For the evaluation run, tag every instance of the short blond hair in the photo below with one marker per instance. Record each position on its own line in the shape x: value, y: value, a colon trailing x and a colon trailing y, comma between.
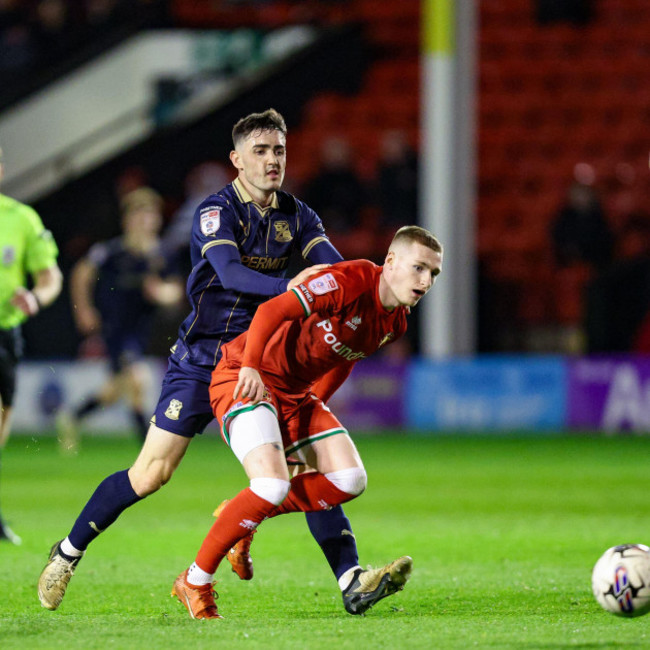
x: 419, y: 235
x: 144, y: 198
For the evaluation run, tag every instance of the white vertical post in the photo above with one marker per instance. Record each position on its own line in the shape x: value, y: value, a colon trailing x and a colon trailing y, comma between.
x: 447, y: 171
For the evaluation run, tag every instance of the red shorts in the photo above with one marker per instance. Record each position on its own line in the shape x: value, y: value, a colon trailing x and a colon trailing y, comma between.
x: 303, y: 417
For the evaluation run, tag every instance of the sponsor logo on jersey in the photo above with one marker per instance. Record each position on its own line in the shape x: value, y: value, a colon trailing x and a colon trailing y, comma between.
x: 336, y: 345
x: 323, y: 284
x: 210, y: 221
x: 282, y: 231
x: 173, y: 411
x: 264, y: 262
x: 354, y: 322
x: 386, y: 338
x: 8, y: 255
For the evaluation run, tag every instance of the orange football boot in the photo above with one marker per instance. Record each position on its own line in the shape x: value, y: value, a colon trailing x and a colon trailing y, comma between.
x: 239, y: 555
x: 199, y: 600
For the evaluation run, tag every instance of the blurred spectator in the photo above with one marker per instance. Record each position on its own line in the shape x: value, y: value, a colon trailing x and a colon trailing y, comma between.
x: 104, y: 15
x: 54, y: 29
x: 129, y: 180
x: 618, y: 300
x: 336, y: 193
x: 580, y: 232
x: 578, y: 12
x: 397, y: 181
x: 201, y: 181
x: 39, y: 34
x: 17, y: 45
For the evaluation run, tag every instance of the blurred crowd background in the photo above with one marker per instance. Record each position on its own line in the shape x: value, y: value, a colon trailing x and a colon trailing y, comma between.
x: 562, y: 116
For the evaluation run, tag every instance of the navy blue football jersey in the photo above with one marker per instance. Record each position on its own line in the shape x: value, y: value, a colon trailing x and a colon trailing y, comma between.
x: 120, y: 276
x: 230, y: 224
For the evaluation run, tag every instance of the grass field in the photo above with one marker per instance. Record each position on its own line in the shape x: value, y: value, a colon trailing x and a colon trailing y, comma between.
x: 503, y: 533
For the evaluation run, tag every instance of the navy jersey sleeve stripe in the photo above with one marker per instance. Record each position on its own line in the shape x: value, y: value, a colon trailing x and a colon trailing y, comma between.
x: 216, y: 242
x: 318, y: 254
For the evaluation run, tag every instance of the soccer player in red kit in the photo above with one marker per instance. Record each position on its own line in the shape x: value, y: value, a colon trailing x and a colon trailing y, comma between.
x: 270, y: 389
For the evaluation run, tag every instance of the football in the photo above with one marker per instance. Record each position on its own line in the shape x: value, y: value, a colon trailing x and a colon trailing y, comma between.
x: 621, y: 580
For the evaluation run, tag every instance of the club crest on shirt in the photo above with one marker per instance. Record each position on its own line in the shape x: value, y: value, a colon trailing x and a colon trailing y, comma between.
x: 210, y: 221
x: 173, y: 411
x: 323, y: 284
x: 386, y: 339
x: 8, y: 255
x: 282, y: 231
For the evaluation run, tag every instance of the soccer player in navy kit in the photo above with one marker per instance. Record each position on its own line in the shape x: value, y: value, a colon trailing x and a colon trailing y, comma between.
x: 115, y: 290
x: 242, y: 239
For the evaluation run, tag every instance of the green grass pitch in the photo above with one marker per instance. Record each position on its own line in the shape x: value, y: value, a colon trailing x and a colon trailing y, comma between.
x: 504, y: 532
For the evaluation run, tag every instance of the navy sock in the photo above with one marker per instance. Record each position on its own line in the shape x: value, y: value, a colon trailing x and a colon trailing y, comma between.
x: 332, y: 530
x: 112, y: 497
x: 90, y: 405
x: 141, y: 424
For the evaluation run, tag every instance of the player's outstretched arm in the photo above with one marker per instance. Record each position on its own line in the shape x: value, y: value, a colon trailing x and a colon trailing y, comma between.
x: 226, y: 261
x: 268, y: 318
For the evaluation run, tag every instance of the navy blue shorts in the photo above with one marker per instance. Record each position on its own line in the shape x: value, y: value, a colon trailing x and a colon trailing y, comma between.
x: 125, y: 349
x: 184, y: 403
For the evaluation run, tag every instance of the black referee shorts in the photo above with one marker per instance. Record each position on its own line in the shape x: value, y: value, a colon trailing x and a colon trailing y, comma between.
x: 11, y: 349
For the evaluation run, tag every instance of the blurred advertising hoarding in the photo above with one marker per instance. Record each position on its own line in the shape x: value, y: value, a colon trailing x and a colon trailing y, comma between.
x: 45, y: 388
x: 373, y: 396
x: 370, y: 399
x: 609, y: 393
x: 487, y: 394
x: 501, y: 393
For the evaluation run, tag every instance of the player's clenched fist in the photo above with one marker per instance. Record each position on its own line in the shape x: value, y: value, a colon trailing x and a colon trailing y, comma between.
x: 250, y: 384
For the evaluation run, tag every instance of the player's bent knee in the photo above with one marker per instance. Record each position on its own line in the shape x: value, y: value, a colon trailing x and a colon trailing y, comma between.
x: 146, y: 483
x: 352, y: 480
x: 273, y: 490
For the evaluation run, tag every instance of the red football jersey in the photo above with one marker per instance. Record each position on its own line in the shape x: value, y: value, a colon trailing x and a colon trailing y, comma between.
x: 343, y: 322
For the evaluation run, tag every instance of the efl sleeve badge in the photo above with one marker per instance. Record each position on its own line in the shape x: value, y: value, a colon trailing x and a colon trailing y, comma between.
x: 323, y: 284
x: 210, y: 221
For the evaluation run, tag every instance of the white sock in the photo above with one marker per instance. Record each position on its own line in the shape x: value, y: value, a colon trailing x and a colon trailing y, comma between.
x: 197, y: 576
x: 69, y: 549
x: 346, y: 578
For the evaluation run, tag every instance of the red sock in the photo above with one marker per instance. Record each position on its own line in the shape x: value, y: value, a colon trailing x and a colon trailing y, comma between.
x: 240, y: 516
x: 309, y: 492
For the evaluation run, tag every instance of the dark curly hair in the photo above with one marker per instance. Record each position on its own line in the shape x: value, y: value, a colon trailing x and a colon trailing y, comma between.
x: 269, y: 120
